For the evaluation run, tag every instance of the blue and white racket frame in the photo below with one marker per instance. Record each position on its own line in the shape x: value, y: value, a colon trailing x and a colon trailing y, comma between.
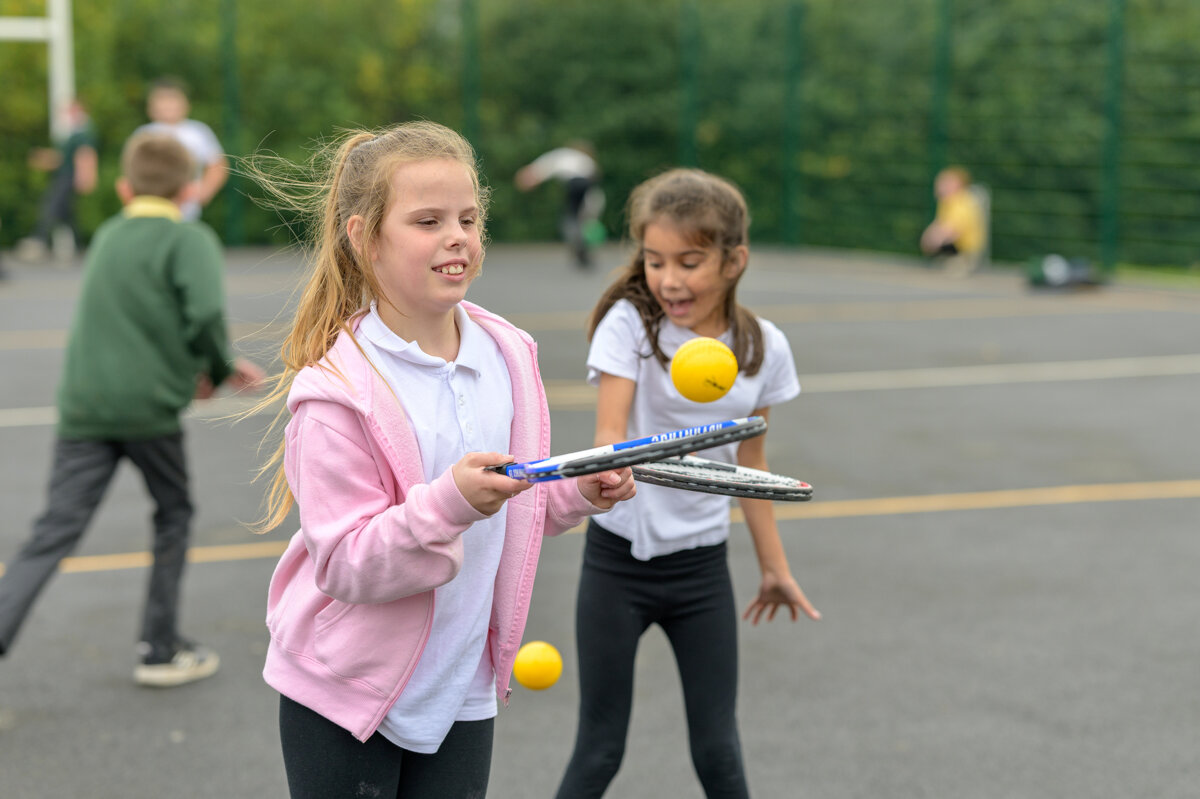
x: 635, y: 451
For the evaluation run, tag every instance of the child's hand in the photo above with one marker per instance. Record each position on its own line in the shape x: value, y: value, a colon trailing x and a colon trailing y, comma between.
x: 486, y: 491
x: 605, y: 489
x: 45, y: 159
x: 204, y: 387
x: 774, y: 592
x: 246, y: 376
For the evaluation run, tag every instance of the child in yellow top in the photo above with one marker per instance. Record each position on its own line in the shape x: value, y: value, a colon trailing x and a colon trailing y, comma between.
x: 959, y: 228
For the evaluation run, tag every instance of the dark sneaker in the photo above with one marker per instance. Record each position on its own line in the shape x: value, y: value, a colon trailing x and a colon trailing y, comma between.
x: 190, y: 663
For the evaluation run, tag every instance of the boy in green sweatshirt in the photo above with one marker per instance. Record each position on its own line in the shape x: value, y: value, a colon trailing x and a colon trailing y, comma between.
x: 147, y: 336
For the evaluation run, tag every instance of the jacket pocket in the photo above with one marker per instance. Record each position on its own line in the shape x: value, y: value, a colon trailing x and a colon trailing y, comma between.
x: 374, y: 644
x: 286, y: 589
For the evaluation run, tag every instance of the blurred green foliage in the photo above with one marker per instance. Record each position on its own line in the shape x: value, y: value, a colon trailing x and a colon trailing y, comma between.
x: 1026, y: 104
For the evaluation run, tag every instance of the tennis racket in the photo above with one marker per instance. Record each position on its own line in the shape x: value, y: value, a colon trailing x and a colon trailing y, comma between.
x: 636, y: 450
x: 716, y: 477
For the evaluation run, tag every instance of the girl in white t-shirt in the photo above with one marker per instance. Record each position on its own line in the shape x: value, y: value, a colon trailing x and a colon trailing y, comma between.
x: 660, y: 558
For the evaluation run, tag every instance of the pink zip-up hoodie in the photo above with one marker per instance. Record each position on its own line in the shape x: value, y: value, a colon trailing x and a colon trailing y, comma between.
x: 351, y: 602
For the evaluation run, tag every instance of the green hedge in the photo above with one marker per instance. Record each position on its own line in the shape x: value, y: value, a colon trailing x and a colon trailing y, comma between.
x: 847, y: 163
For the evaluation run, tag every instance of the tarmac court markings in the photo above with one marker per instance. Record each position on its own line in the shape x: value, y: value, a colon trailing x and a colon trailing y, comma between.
x: 567, y: 395
x: 834, y: 509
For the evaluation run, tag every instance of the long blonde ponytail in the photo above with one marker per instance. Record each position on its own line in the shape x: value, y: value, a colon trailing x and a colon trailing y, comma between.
x: 354, y: 173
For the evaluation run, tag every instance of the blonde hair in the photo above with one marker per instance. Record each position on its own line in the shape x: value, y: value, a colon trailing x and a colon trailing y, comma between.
x: 959, y: 173
x: 354, y: 179
x: 711, y: 212
x: 156, y: 164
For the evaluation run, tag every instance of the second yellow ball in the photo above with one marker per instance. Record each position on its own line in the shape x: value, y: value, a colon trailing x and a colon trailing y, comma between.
x: 538, y: 665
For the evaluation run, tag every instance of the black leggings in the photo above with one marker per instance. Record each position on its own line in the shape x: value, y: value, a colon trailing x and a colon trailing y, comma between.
x: 324, y: 761
x: 689, y: 594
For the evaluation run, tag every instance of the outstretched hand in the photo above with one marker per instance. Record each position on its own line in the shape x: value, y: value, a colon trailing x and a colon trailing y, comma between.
x: 247, y: 376
x: 486, y: 491
x: 776, y: 592
x: 605, y: 489
x: 204, y: 387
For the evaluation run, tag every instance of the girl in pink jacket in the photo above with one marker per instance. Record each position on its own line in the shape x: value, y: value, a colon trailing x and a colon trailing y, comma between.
x: 397, y: 610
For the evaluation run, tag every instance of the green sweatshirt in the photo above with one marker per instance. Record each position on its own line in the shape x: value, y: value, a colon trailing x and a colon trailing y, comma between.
x: 150, y: 319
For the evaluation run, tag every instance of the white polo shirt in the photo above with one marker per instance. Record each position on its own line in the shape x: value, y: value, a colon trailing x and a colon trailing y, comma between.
x: 455, y: 408
x: 659, y: 521
x: 200, y: 142
x: 564, y: 163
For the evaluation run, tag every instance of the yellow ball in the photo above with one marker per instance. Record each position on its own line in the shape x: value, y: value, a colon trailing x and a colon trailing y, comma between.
x: 703, y: 369
x: 538, y: 665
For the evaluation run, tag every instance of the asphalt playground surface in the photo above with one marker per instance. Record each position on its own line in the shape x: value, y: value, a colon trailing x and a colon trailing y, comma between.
x: 1004, y: 542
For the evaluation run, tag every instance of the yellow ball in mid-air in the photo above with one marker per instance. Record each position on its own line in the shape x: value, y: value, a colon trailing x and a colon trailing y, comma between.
x: 538, y: 665
x: 703, y: 369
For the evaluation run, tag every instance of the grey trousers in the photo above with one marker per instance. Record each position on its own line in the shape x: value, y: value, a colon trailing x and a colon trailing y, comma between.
x: 58, y: 207
x: 80, y: 476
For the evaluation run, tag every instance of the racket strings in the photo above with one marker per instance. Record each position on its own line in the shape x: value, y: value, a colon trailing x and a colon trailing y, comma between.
x: 690, y: 473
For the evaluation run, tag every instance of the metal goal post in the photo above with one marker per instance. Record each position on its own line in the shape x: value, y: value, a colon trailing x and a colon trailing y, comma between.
x: 55, y: 29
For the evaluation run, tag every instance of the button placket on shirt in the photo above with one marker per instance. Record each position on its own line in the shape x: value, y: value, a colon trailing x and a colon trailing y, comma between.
x: 460, y: 403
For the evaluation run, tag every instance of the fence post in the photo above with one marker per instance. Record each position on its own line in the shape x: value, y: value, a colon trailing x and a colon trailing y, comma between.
x: 940, y: 89
x: 792, y: 187
x: 1110, y: 202
x: 470, y: 70
x: 235, y: 199
x: 689, y: 57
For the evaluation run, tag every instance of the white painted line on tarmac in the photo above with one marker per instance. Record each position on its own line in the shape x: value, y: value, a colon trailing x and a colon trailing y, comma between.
x: 576, y: 395
x: 1003, y: 374
x: 796, y: 313
x: 28, y: 417
x: 570, y: 395
x: 56, y: 339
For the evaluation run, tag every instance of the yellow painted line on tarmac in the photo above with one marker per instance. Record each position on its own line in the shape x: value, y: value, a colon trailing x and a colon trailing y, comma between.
x: 987, y: 500
x: 225, y: 553
x: 229, y: 552
x: 834, y: 509
x: 105, y: 563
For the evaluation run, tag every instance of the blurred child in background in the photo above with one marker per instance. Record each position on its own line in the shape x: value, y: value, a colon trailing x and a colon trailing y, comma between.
x: 148, y: 335
x: 958, y: 233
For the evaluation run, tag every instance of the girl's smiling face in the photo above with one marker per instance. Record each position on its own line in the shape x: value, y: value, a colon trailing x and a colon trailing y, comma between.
x: 688, y: 280
x: 428, y: 249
